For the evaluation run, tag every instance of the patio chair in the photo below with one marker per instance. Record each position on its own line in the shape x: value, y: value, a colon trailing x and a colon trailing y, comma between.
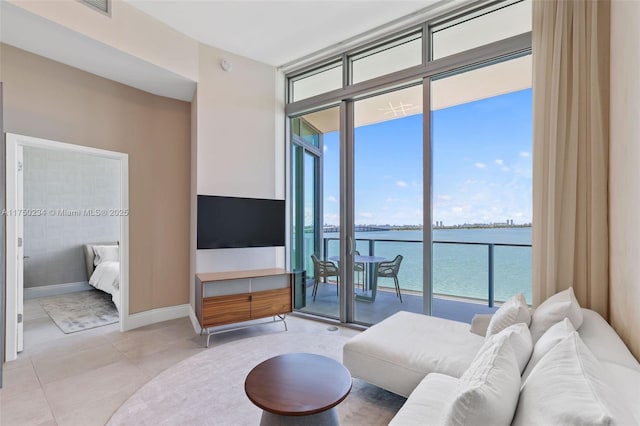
x: 390, y: 270
x: 323, y: 269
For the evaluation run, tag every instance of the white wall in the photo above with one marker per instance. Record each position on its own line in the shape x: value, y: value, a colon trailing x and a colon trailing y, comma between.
x: 240, y: 148
x: 624, y: 191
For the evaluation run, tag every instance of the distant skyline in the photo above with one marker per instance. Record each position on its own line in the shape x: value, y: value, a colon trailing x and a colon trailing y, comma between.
x: 482, y: 170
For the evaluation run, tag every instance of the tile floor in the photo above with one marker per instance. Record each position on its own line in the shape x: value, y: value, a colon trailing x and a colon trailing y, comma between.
x: 82, y: 378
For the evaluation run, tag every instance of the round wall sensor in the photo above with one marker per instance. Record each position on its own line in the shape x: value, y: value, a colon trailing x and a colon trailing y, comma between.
x: 226, y: 65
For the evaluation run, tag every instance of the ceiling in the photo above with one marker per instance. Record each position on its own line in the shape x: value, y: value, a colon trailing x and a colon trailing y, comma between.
x: 277, y: 32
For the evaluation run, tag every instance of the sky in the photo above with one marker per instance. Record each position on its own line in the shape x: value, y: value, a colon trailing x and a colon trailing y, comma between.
x: 481, y: 166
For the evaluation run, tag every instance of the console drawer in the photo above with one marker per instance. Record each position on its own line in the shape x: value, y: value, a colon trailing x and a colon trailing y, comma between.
x: 226, y: 309
x: 270, y: 302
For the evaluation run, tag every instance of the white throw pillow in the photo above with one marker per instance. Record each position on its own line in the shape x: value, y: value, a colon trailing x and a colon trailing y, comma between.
x: 487, y: 393
x: 556, y: 308
x: 520, y: 340
x: 105, y: 254
x: 513, y: 311
x: 569, y: 387
x: 547, y: 341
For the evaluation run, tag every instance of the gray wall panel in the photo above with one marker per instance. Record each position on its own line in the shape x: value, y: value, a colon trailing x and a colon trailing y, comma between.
x: 63, y: 185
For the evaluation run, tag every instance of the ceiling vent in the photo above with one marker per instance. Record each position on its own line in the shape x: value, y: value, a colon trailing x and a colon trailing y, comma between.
x: 103, y: 6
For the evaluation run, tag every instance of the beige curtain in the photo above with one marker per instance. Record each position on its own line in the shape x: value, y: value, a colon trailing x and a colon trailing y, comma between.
x: 571, y: 150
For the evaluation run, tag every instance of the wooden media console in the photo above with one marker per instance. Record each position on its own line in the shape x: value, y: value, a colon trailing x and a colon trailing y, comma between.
x: 237, y: 296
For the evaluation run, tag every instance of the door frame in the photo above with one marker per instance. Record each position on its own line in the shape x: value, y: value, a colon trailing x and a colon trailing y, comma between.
x: 13, y: 141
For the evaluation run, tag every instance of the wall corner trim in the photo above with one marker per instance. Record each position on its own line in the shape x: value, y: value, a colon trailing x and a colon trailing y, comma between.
x: 194, y: 320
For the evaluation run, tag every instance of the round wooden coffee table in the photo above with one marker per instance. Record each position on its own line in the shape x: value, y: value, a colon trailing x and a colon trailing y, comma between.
x: 290, y: 386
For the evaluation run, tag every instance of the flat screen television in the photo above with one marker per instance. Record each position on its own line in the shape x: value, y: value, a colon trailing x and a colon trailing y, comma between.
x: 233, y: 222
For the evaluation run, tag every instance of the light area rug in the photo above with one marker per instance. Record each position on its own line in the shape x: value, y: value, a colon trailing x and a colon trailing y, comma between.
x: 208, y: 388
x: 81, y: 310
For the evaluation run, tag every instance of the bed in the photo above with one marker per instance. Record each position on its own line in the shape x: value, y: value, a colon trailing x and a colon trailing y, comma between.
x: 103, y: 268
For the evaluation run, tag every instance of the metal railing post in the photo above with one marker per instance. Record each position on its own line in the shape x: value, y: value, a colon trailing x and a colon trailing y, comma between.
x: 372, y: 247
x: 491, y: 296
x: 325, y: 248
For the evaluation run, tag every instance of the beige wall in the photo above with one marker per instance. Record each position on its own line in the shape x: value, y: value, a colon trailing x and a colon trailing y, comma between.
x: 238, y: 153
x: 624, y: 191
x: 46, y: 99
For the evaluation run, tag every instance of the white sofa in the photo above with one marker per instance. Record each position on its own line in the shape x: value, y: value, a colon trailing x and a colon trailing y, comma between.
x: 425, y: 359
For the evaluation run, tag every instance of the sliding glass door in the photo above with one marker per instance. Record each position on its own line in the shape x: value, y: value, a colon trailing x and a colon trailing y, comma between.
x: 316, y: 212
x: 358, y: 206
x: 388, y: 204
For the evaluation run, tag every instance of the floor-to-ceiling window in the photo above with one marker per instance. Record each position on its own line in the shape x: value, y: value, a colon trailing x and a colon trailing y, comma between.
x: 481, y: 180
x: 411, y: 169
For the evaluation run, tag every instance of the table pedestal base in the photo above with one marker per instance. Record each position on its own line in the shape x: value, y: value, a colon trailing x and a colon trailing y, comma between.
x: 325, y: 418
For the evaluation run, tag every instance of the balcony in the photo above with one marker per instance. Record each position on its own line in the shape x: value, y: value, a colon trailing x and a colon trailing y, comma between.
x: 468, y: 278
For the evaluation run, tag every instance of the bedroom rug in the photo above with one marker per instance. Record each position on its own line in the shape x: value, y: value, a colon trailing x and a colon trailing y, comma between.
x: 208, y: 388
x: 81, y: 310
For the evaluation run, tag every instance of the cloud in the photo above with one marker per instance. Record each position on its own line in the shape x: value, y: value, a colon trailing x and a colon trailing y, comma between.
x: 332, y: 199
x: 499, y: 162
x: 481, y: 165
x: 401, y: 184
x: 525, y: 154
x: 505, y: 169
x: 325, y: 148
x: 332, y: 219
x: 366, y: 215
x: 444, y: 197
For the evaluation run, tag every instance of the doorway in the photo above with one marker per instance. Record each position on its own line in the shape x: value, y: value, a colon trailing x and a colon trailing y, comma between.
x: 365, y: 218
x: 16, y: 213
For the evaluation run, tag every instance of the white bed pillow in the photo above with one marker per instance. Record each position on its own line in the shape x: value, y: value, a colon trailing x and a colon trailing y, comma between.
x: 556, y: 308
x: 520, y: 340
x: 547, y: 341
x: 487, y: 392
x: 105, y: 254
x: 513, y: 311
x: 569, y: 386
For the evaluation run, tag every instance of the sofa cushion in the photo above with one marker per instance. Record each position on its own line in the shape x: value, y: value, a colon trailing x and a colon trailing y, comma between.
x: 547, y: 341
x: 426, y: 403
x: 488, y: 391
x: 569, y: 387
x: 556, y: 308
x: 397, y: 353
x: 513, y: 311
x: 603, y: 341
x: 627, y: 381
x: 480, y: 323
x: 520, y: 340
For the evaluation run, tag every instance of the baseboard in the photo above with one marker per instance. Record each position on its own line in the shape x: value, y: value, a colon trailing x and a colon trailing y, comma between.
x: 55, y: 289
x: 153, y: 316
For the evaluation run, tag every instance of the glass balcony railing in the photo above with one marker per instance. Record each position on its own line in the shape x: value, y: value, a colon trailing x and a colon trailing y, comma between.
x: 480, y: 272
